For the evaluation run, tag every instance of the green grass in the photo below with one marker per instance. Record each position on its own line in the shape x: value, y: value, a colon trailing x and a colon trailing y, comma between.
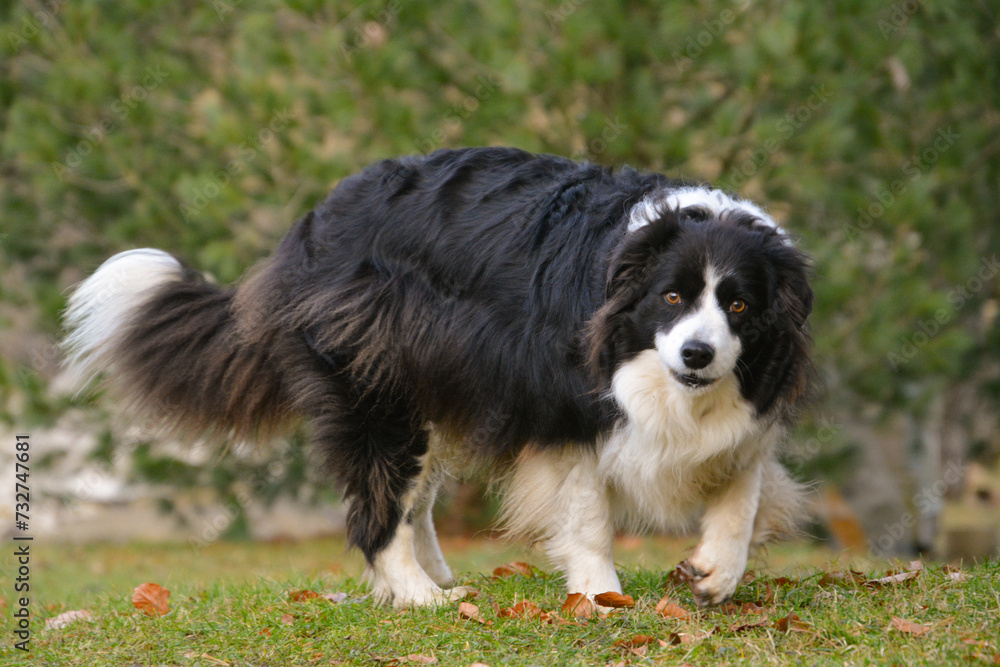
x: 229, y: 605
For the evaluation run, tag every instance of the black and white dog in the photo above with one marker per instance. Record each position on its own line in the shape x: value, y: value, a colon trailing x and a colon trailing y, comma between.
x: 622, y: 350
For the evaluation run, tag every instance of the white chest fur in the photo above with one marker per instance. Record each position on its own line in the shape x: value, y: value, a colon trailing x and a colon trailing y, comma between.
x: 676, y: 445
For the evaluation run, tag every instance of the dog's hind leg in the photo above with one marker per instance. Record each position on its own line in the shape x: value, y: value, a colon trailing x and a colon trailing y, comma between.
x: 379, y: 453
x: 422, y: 518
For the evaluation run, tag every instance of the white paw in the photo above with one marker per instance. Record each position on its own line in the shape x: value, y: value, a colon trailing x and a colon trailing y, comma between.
x: 425, y: 596
x: 713, y: 577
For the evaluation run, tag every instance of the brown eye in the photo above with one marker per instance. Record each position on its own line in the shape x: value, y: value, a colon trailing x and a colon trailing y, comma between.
x: 738, y: 306
x: 673, y: 298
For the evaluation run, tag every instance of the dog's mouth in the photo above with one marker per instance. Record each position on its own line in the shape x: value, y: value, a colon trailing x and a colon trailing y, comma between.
x: 693, y: 381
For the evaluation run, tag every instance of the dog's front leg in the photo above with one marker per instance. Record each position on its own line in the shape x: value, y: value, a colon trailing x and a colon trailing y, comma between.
x: 582, y: 533
x: 559, y: 499
x: 718, y: 563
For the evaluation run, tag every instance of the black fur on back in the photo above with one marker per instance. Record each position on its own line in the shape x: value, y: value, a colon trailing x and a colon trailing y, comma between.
x: 463, y: 280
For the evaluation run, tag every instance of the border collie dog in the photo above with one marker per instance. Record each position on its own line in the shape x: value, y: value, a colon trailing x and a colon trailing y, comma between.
x: 622, y: 350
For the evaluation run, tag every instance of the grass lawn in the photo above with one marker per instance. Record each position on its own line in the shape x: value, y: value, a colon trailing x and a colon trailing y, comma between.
x: 231, y: 604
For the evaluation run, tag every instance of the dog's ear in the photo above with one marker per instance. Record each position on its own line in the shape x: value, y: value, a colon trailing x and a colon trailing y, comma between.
x: 794, y: 296
x: 633, y: 258
x: 627, y: 281
x: 794, y: 299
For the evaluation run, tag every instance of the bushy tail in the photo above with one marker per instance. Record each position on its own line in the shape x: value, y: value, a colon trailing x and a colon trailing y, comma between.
x: 168, y: 346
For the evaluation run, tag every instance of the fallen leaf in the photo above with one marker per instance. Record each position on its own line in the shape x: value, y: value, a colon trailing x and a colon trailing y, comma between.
x: 909, y: 627
x: 151, y: 599
x: 521, y: 609
x: 479, y: 664
x: 734, y: 609
x: 749, y: 626
x: 513, y: 569
x: 469, y: 611
x: 954, y: 573
x: 421, y: 658
x: 635, y: 642
x: 614, y: 600
x: 302, y: 596
x: 676, y: 638
x: 578, y: 605
x: 893, y: 579
x: 679, y: 576
x: 792, y: 622
x: 784, y: 581
x: 66, y: 618
x: 287, y: 619
x: 266, y: 632
x: 667, y: 608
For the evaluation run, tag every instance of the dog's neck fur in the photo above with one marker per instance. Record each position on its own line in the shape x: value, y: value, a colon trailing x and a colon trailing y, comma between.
x: 673, y: 445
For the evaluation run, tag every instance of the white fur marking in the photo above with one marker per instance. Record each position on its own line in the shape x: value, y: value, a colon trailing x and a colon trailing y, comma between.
x: 708, y: 324
x: 715, y: 201
x: 103, y: 304
x: 675, y: 445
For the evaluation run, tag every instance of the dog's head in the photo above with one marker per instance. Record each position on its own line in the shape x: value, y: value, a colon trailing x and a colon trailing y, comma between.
x: 714, y: 296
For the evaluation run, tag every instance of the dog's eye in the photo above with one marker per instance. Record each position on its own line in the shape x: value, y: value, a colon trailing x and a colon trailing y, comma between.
x: 673, y: 298
x: 737, y: 306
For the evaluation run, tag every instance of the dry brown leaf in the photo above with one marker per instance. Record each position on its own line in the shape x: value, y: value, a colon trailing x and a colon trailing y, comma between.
x: 287, y: 619
x: 66, y: 618
x: 908, y: 627
x: 954, y: 573
x: 667, y: 608
x: 578, y: 605
x: 421, y: 658
x: 266, y: 632
x: 678, y: 576
x: 790, y: 623
x: 784, y: 581
x: 470, y: 611
x: 893, y: 579
x: 302, y: 596
x: 734, y: 609
x: 513, y: 569
x: 335, y: 598
x: 521, y: 609
x: 635, y: 642
x: 151, y: 599
x: 676, y: 638
x: 749, y: 626
x: 614, y: 600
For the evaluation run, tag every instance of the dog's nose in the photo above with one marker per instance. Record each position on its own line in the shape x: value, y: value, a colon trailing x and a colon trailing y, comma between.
x: 696, y: 354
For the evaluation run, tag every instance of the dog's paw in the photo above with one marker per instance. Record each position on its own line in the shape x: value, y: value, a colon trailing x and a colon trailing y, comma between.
x: 711, y: 582
x: 430, y: 596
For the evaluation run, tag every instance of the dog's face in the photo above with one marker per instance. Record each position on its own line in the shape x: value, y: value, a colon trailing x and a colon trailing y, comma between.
x: 714, y: 298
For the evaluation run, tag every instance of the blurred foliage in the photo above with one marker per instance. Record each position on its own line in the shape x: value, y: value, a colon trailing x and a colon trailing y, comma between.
x: 871, y: 131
